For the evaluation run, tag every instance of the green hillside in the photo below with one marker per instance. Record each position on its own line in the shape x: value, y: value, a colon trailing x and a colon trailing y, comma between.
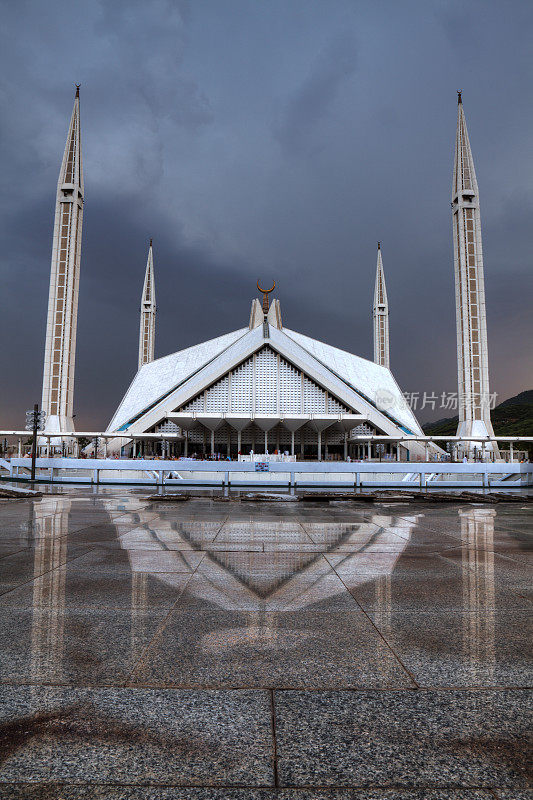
x: 513, y: 417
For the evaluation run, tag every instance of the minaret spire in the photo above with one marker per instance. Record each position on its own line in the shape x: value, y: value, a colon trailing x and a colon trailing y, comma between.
x: 381, y: 316
x: 472, y: 352
x: 148, y: 310
x: 60, y: 348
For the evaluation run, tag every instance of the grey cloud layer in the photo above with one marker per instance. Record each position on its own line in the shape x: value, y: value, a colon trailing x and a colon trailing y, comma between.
x: 274, y: 140
x: 313, y: 99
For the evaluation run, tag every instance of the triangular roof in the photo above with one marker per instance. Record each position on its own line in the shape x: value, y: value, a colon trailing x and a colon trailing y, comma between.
x: 154, y: 380
x: 169, y: 382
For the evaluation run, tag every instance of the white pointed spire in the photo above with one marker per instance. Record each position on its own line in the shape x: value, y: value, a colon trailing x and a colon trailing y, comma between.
x: 381, y: 316
x: 60, y: 348
x: 148, y: 311
x: 472, y: 351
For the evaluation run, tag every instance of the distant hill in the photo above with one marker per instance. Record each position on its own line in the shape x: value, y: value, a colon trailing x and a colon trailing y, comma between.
x: 512, y: 417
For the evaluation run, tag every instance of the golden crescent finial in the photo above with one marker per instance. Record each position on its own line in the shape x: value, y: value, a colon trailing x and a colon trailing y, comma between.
x: 266, y: 292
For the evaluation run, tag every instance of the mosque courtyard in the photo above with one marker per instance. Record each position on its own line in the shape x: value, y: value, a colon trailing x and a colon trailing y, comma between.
x: 204, y: 649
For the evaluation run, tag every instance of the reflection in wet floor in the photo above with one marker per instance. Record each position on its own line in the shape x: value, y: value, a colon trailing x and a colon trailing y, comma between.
x: 115, y: 591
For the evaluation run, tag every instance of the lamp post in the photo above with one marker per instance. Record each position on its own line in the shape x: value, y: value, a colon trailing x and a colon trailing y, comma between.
x: 34, y: 422
x: 450, y: 449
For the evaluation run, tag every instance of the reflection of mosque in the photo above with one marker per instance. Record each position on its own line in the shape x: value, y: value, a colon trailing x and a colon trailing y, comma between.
x: 269, y: 572
x: 259, y: 563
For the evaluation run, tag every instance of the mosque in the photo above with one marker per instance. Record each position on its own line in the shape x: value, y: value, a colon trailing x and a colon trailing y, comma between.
x: 264, y: 387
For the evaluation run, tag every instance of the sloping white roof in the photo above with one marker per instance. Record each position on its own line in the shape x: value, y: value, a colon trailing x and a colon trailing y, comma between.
x: 374, y: 382
x: 156, y: 380
x: 158, y: 377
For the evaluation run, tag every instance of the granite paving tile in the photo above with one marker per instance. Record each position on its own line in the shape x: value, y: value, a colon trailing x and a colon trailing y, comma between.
x: 134, y: 736
x: 9, y: 546
x: 110, y: 559
x: 261, y: 531
x: 71, y: 588
x: 24, y: 565
x: 421, y: 582
x: 448, y: 739
x: 255, y: 649
x: 328, y: 533
x: 470, y: 649
x: 506, y: 573
x: 65, y: 646
x: 276, y: 580
x: 216, y: 547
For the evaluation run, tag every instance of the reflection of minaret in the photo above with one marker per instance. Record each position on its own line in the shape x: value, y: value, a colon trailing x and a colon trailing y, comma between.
x: 472, y: 353
x: 50, y: 523
x: 381, y: 316
x: 148, y: 309
x: 60, y: 349
x: 477, y: 535
x: 139, y: 621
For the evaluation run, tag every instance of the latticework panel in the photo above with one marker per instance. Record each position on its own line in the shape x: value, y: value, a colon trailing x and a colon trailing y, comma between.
x: 241, y: 396
x: 266, y: 384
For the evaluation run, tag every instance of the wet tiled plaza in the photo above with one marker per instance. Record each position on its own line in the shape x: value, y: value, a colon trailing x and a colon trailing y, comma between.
x: 207, y: 649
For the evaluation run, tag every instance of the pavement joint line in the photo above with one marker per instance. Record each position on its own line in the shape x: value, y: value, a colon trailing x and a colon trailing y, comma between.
x: 14, y: 552
x: 301, y: 690
x: 159, y: 630
x: 47, y: 571
x: 247, y: 688
x: 324, y: 789
x: 381, y: 636
x: 274, y: 738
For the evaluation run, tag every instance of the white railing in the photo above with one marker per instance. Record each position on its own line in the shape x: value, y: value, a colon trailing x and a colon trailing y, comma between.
x: 226, y: 474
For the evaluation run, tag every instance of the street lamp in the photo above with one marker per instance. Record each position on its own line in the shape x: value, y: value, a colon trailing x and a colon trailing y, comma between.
x: 34, y: 422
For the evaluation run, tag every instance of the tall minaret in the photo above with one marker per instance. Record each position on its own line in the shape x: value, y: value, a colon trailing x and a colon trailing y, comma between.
x: 381, y: 316
x: 60, y: 348
x: 472, y: 354
x: 148, y: 309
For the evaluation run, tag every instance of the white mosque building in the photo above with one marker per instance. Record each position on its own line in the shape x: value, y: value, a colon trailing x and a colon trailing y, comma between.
x: 264, y: 387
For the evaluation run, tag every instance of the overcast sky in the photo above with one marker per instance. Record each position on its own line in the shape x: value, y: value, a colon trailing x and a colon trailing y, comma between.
x: 271, y: 139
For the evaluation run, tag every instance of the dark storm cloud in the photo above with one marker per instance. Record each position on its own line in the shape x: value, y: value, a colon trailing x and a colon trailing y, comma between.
x: 313, y: 99
x: 273, y: 140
